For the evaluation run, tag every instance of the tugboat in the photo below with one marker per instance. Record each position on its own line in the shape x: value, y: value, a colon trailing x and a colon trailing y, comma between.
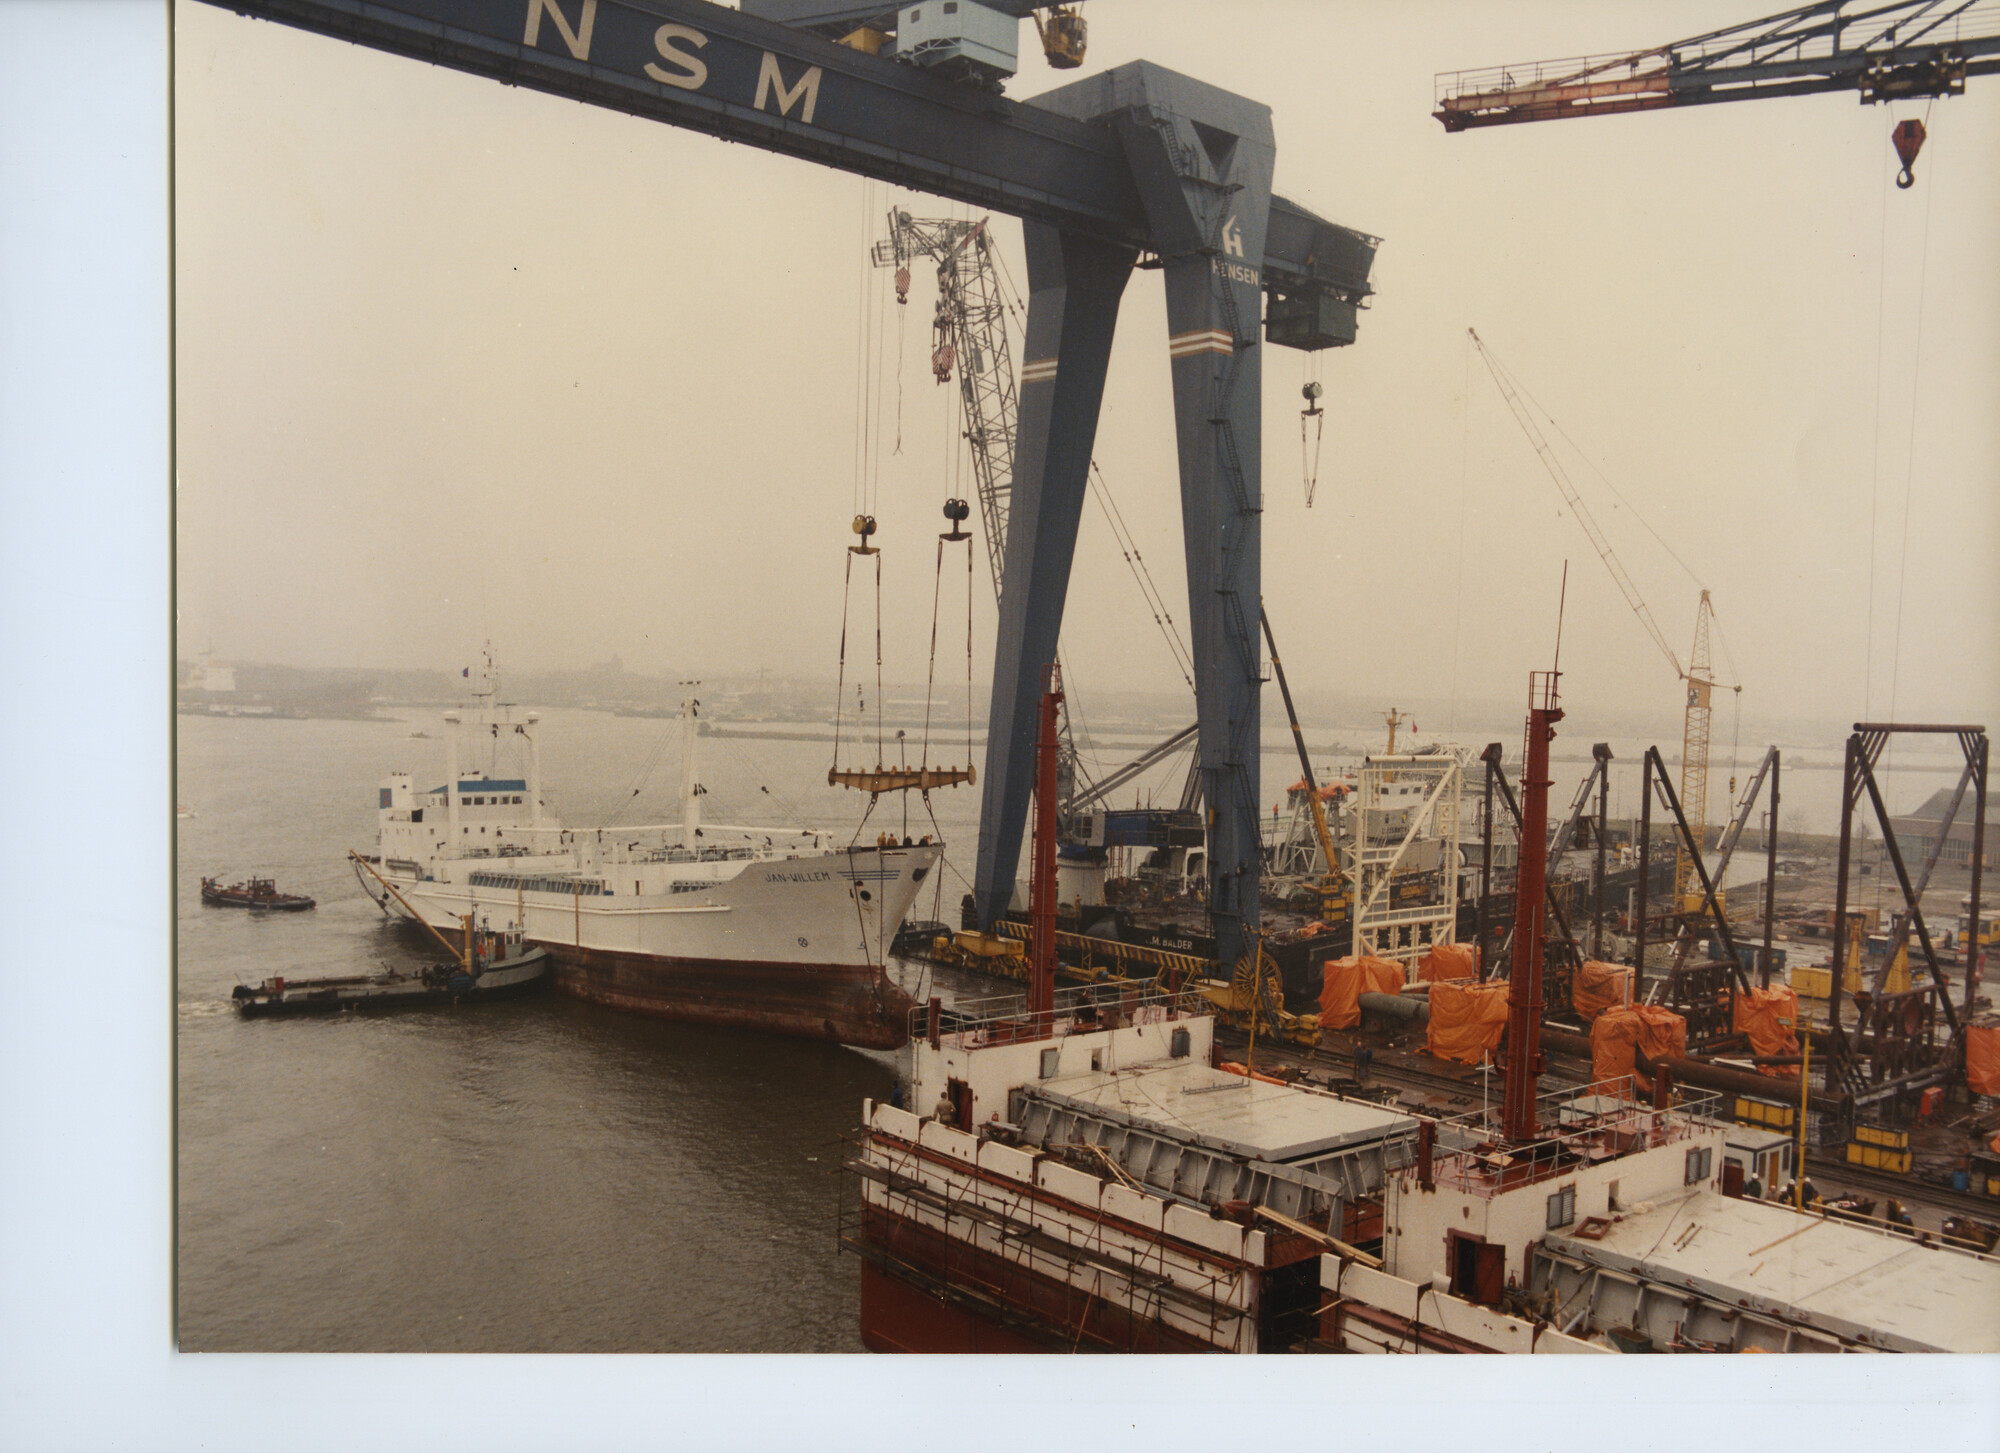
x: 492, y: 965
x: 252, y: 893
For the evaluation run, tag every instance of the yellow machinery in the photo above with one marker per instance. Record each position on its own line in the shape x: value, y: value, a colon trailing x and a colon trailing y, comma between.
x: 1333, y: 883
x: 1700, y: 678
x: 1064, y: 34
x: 1254, y: 996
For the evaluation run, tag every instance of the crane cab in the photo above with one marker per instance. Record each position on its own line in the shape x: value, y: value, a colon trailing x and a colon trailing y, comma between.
x: 1064, y: 35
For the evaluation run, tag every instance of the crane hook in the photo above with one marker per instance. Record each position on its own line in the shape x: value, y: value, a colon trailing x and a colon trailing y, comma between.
x: 1908, y: 138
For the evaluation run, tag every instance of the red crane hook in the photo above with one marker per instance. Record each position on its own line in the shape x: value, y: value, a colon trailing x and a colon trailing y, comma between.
x: 1909, y: 140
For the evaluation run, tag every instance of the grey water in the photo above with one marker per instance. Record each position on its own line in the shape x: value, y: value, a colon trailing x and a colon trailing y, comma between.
x: 526, y: 1176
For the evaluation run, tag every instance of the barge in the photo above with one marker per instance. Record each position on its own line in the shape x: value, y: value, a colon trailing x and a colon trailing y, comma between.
x: 498, y: 966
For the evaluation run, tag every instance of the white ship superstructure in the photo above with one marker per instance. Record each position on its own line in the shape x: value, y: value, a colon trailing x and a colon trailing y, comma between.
x: 752, y: 926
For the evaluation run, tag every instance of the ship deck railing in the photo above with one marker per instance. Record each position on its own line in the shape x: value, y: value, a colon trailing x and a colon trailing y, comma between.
x: 1080, y: 1009
x: 771, y: 836
x: 630, y: 852
x: 1585, y: 1124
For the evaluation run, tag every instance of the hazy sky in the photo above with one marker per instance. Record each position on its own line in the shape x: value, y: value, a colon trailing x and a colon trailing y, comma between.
x: 460, y: 361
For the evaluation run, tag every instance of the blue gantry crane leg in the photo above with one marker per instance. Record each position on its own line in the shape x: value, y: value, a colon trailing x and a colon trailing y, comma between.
x: 1202, y: 160
x: 1074, y: 285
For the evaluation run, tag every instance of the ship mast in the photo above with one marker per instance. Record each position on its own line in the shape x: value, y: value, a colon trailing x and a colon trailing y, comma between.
x: 1524, y: 990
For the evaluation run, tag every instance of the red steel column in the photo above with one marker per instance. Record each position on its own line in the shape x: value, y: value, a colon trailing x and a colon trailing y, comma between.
x: 1042, y: 885
x: 1524, y: 989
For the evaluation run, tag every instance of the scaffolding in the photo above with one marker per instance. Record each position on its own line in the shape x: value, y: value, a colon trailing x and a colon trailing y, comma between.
x: 1405, y: 857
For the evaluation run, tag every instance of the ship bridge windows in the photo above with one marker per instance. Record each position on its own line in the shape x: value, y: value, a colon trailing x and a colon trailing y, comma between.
x: 588, y: 887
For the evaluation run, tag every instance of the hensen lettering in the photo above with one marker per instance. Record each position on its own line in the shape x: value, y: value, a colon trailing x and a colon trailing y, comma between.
x: 578, y: 40
x: 770, y: 78
x: 693, y: 74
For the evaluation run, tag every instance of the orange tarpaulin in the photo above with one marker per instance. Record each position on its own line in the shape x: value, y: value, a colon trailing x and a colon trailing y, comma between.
x: 1982, y: 1060
x: 1598, y: 987
x: 1347, y: 980
x: 1467, y: 1020
x: 1448, y: 961
x: 1618, y: 1032
x: 1767, y: 1017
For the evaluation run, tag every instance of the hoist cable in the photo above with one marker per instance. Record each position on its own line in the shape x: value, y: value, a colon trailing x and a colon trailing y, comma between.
x: 930, y: 680
x: 1875, y: 450
x: 861, y: 365
x: 878, y: 658
x: 902, y: 339
x: 1514, y: 382
x: 840, y: 685
x: 1309, y: 450
x: 861, y: 826
x: 1148, y: 590
x: 1910, y: 455
x: 968, y: 654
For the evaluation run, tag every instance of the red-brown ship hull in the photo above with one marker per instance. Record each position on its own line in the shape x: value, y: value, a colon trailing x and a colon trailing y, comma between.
x: 897, y: 1315
x: 846, y: 1003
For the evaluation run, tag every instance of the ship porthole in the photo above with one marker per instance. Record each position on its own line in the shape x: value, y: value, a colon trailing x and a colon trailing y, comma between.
x: 866, y: 896
x: 917, y: 874
x: 802, y: 943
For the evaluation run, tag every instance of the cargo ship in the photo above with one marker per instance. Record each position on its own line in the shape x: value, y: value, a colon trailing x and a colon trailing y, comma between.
x: 1100, y: 1185
x: 750, y: 927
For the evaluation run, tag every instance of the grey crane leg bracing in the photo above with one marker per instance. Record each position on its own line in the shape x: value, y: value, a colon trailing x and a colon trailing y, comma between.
x: 1203, y: 161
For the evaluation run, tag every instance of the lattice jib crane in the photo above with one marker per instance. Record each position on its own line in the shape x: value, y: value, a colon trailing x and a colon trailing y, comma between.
x: 1698, y: 674
x: 1894, y: 52
x: 1575, y: 502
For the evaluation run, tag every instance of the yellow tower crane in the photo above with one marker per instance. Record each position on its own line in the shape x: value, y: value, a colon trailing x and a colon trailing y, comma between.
x: 1700, y: 679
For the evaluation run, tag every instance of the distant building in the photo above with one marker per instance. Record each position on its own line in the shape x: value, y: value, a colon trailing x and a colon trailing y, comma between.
x: 1917, y: 833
